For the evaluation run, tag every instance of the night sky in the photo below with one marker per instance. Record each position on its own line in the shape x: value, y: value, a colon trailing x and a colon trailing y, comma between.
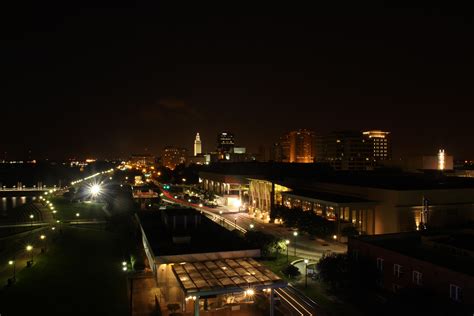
x: 107, y: 82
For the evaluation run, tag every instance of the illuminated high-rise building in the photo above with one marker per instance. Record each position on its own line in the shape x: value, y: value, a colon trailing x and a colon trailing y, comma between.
x: 225, y: 142
x: 345, y: 150
x: 197, y: 145
x: 296, y: 146
x: 380, y: 144
x: 173, y: 156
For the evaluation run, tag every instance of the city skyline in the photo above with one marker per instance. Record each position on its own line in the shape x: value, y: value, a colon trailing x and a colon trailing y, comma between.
x: 293, y: 158
x: 97, y: 71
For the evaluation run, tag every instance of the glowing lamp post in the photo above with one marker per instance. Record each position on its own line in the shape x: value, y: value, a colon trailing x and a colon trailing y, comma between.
x: 13, y: 263
x: 43, y: 238
x: 29, y: 249
x: 95, y: 190
x: 295, y: 234
x: 287, y: 242
x: 306, y: 272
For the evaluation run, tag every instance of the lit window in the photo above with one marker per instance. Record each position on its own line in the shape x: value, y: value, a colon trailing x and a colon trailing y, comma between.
x: 455, y: 292
x: 417, y: 277
x: 380, y: 264
x: 397, y: 270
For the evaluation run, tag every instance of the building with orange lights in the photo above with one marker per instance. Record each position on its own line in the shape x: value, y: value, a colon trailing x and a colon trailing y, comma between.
x: 296, y: 146
x: 173, y: 156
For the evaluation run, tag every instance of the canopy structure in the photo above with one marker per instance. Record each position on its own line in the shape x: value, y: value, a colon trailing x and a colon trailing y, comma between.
x: 224, y: 276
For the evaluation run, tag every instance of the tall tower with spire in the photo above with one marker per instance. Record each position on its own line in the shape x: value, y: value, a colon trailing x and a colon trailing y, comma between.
x: 197, y: 145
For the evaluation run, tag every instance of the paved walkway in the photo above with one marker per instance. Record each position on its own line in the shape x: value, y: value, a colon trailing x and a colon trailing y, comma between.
x: 144, y: 291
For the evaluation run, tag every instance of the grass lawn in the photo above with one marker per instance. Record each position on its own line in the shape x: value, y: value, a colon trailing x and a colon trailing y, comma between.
x: 279, y: 264
x: 67, y: 210
x: 79, y: 275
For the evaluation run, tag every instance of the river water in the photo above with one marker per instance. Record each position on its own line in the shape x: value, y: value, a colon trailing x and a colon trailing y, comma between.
x: 9, y: 202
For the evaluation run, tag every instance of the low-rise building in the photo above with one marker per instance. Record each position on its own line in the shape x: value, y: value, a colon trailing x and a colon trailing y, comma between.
x: 374, y: 202
x: 198, y: 271
x: 441, y: 263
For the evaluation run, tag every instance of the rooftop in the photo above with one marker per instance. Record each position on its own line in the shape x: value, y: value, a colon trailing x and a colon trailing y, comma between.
x: 397, y: 180
x: 315, y: 172
x: 196, y: 234
x: 224, y: 276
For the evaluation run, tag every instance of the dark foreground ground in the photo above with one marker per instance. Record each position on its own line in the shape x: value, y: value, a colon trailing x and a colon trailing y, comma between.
x: 80, y: 274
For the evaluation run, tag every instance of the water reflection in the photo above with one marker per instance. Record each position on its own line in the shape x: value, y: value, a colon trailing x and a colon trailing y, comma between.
x: 9, y: 202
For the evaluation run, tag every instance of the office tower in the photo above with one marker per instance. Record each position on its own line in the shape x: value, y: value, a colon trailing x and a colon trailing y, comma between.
x: 197, y: 145
x: 225, y: 142
x: 380, y: 143
x: 296, y: 146
x: 173, y: 156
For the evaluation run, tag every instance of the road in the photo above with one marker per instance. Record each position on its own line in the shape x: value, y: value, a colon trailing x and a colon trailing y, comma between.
x: 293, y: 301
x: 297, y: 304
x: 305, y: 247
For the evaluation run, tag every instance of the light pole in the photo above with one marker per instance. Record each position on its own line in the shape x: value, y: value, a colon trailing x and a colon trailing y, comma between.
x: 43, y: 237
x: 306, y: 273
x: 31, y: 219
x: 295, y: 234
x: 251, y: 226
x: 235, y: 222
x: 287, y: 242
x: 13, y: 263
x: 125, y: 270
x: 29, y: 248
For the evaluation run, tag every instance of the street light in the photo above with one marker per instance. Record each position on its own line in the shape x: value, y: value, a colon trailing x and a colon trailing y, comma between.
x: 306, y: 273
x: 31, y: 217
x: 287, y: 242
x: 13, y: 263
x: 29, y: 248
x: 77, y: 214
x: 95, y: 190
x: 295, y: 234
x: 251, y: 226
x: 235, y: 222
x: 43, y: 237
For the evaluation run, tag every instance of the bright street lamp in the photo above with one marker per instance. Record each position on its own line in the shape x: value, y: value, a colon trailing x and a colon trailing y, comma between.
x: 295, y: 234
x: 95, y: 190
x: 13, y: 263
x: 287, y: 242
x: 29, y: 248
x: 251, y: 226
x: 306, y: 273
